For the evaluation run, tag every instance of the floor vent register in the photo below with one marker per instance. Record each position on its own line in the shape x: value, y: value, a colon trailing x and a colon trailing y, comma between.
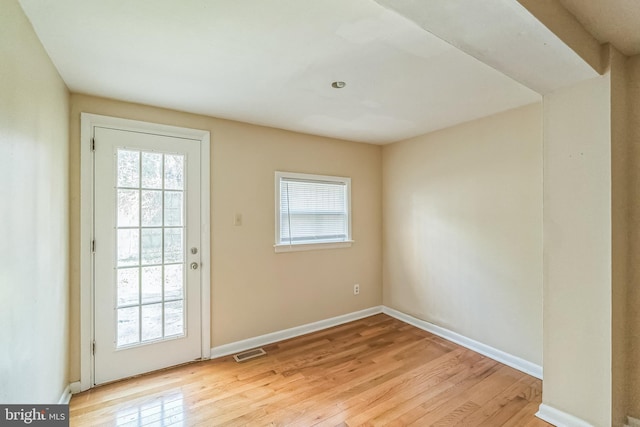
x: 249, y: 354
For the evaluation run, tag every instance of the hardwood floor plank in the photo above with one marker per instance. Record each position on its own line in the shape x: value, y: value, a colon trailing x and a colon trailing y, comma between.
x: 524, y: 415
x: 503, y: 406
x: 412, y: 386
x: 394, y: 389
x: 371, y: 372
x: 432, y: 409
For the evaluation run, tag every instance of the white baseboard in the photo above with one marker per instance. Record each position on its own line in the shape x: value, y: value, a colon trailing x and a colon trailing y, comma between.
x: 66, y: 396
x: 239, y: 346
x: 632, y: 422
x: 559, y: 418
x: 75, y: 387
x: 495, y: 354
x: 68, y: 391
x: 499, y: 355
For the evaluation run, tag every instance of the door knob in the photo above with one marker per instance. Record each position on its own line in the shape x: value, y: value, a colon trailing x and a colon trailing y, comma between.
x: 194, y: 265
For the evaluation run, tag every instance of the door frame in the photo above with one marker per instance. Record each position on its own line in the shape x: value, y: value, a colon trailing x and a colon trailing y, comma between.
x: 88, y: 122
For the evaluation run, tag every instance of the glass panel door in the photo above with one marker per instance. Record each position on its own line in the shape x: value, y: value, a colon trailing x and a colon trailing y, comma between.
x: 147, y: 213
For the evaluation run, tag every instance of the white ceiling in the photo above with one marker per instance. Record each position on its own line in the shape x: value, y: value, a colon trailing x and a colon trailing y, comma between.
x: 502, y: 34
x: 272, y: 63
x: 613, y: 21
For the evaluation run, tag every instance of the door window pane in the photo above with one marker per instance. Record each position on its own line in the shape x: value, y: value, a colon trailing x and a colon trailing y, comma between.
x: 128, y: 247
x: 151, y: 246
x: 173, y: 318
x: 173, y: 247
x: 152, y: 170
x: 151, y: 322
x: 128, y: 168
x: 128, y: 208
x: 128, y: 290
x: 128, y: 325
x: 151, y: 208
x: 173, y: 172
x: 173, y: 208
x: 173, y: 281
x: 151, y: 284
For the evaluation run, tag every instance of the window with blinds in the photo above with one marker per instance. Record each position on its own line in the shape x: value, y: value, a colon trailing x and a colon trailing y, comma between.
x: 312, y: 209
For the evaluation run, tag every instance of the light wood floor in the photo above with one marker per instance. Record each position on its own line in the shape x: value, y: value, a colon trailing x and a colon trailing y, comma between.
x: 375, y: 372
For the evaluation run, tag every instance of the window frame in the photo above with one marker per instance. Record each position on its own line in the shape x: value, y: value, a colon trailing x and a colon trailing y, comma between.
x: 307, y: 246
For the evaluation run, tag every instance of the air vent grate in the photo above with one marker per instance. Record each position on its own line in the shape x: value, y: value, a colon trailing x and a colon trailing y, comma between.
x: 250, y: 354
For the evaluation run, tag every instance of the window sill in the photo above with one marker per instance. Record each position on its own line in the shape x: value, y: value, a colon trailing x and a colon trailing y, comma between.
x: 312, y: 246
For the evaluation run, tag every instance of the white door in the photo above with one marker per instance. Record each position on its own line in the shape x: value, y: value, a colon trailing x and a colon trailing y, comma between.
x: 147, y: 252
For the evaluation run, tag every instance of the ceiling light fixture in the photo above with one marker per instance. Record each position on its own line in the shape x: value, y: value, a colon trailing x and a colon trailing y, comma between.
x: 338, y: 85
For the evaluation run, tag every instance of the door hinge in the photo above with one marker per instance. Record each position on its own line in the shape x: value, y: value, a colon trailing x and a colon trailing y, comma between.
x: 93, y: 348
x: 93, y: 246
x: 93, y: 144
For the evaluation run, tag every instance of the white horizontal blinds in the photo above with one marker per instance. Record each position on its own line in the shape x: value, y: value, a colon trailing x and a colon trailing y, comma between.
x: 313, y: 211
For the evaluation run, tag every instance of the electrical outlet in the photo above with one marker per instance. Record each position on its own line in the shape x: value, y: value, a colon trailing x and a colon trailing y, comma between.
x: 356, y: 289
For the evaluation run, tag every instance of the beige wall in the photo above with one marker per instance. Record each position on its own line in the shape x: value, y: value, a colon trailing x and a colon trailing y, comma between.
x: 620, y: 196
x: 462, y: 211
x: 254, y: 290
x: 633, y: 307
x: 34, y: 108
x: 619, y: 294
x: 564, y: 25
x: 577, y: 251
